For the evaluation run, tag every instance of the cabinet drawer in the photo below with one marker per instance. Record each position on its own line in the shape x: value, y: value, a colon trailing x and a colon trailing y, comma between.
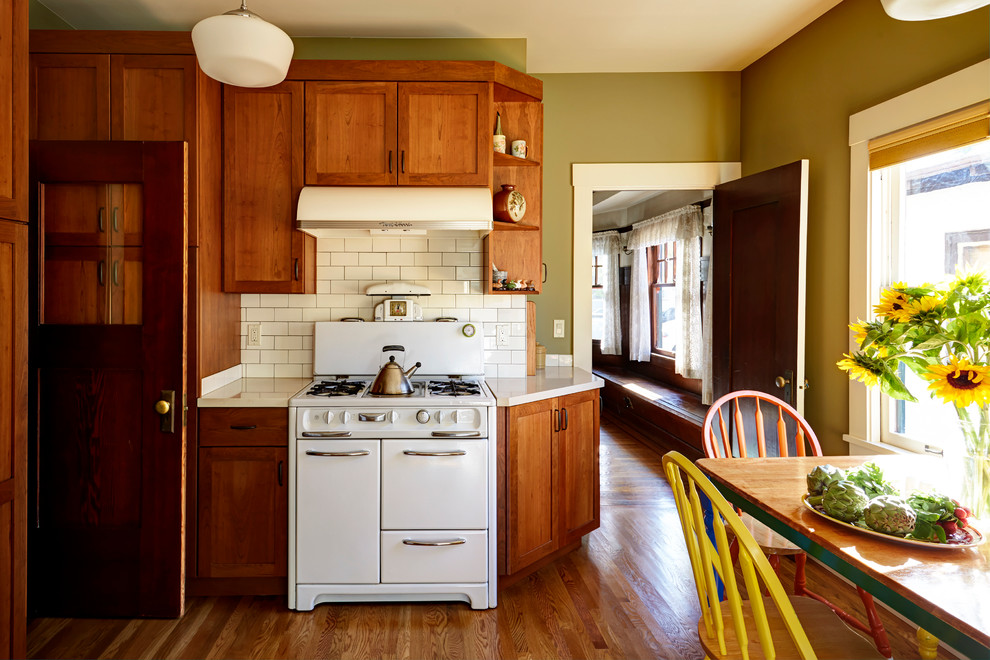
x: 409, y: 557
x: 434, y: 484
x: 240, y: 427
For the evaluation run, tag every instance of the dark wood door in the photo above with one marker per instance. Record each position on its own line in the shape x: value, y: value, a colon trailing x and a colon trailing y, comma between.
x: 531, y: 483
x: 263, y: 174
x: 760, y: 226
x: 351, y: 133
x: 13, y: 437
x: 580, y: 499
x: 445, y: 134
x: 108, y: 529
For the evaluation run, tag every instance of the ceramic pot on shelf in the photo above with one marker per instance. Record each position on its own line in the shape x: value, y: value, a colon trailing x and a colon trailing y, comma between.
x: 508, y: 204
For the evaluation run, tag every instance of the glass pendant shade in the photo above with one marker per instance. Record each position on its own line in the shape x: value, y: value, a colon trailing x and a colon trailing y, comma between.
x: 240, y: 48
x: 924, y: 10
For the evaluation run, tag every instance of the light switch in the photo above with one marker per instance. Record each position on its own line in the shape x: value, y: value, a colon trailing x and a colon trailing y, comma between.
x: 558, y: 327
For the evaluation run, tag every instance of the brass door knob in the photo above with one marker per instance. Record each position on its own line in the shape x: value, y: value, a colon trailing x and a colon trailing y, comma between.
x: 780, y: 381
x: 162, y: 407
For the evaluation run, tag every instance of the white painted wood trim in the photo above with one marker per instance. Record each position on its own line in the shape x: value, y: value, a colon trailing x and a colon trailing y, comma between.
x: 589, y: 177
x: 958, y: 90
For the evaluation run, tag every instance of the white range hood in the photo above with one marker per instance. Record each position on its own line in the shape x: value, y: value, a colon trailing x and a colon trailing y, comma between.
x: 398, y: 210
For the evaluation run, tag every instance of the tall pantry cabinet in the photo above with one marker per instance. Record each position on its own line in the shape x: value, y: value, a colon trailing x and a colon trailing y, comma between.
x: 13, y: 326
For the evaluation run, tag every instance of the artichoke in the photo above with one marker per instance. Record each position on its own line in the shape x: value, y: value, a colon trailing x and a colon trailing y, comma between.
x: 845, y: 501
x: 889, y: 514
x: 822, y: 477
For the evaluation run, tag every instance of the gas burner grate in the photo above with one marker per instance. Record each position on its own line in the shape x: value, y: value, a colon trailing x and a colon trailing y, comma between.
x: 337, y: 388
x: 454, y: 387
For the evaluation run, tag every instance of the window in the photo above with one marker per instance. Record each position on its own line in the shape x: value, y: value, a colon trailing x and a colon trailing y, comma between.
x: 663, y: 305
x: 934, y: 218
x: 887, y: 143
x: 599, y: 267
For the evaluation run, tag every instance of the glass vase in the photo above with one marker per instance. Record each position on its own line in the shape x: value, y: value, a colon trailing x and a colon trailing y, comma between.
x: 975, y: 424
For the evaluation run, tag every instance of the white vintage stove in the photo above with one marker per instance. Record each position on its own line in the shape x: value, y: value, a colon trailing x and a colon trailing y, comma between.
x: 392, y: 498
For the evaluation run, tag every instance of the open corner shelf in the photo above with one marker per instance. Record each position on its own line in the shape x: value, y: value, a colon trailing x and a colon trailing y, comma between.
x: 503, y: 160
x: 501, y: 225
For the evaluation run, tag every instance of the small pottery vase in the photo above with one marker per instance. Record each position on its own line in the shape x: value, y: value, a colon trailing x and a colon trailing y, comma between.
x: 508, y: 204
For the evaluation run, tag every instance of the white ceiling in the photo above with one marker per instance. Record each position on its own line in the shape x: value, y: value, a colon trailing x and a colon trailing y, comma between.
x: 563, y: 36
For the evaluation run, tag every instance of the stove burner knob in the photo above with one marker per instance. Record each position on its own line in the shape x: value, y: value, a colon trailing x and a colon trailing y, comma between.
x: 393, y: 416
x: 422, y: 417
x: 345, y: 417
x: 453, y: 416
x: 329, y: 417
x: 439, y: 416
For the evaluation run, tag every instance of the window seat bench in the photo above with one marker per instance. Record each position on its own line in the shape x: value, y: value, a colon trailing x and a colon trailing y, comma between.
x: 661, y: 416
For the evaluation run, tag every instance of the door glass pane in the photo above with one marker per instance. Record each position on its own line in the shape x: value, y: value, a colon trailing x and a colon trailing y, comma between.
x: 668, y: 329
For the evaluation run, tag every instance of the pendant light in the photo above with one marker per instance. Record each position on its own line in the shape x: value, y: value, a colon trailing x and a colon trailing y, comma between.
x: 924, y: 10
x: 241, y: 48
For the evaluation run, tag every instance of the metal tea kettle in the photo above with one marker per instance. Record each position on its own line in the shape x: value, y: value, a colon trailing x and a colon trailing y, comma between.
x: 391, y: 380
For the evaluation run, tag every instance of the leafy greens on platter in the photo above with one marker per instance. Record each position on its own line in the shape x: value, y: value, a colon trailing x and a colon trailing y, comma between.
x: 862, y: 497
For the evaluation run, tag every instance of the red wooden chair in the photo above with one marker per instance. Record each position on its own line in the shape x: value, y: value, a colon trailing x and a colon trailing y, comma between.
x: 737, y: 426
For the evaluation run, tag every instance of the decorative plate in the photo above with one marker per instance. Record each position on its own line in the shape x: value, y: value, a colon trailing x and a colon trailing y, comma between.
x: 975, y: 537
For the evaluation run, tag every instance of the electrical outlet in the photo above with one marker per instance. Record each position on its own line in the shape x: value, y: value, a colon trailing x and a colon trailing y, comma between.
x: 502, y: 334
x: 254, y: 334
x: 558, y: 327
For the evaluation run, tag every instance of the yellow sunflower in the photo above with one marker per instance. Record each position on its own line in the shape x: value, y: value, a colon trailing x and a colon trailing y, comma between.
x: 860, y: 366
x: 893, y: 303
x: 859, y: 332
x: 959, y: 382
x: 922, y: 308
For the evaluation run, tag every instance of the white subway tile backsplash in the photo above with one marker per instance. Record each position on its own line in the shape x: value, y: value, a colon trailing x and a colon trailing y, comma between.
x: 454, y: 270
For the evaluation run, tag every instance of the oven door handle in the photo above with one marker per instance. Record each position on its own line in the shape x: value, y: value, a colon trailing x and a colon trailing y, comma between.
x: 457, y: 541
x: 456, y: 434
x: 326, y: 434
x: 358, y: 452
x: 459, y: 452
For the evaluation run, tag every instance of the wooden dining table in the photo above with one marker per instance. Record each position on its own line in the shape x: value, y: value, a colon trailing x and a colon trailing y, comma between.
x: 943, y: 589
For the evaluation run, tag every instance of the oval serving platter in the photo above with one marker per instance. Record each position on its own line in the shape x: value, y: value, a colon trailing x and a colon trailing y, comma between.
x: 978, y: 537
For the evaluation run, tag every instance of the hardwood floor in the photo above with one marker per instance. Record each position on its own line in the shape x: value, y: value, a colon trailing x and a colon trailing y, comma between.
x: 626, y: 593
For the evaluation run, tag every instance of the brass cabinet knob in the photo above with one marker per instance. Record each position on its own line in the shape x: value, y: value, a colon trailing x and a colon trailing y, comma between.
x: 162, y: 407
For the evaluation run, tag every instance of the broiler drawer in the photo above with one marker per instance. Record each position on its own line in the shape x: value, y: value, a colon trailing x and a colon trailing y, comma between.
x: 240, y: 427
x: 421, y: 556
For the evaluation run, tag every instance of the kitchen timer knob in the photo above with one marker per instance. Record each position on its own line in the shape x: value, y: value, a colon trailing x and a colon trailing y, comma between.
x: 422, y: 417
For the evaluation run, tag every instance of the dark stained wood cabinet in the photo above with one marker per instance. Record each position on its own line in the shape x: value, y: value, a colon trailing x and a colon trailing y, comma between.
x: 243, y: 498
x: 263, y: 174
x: 550, y: 490
x: 385, y: 133
x: 13, y: 437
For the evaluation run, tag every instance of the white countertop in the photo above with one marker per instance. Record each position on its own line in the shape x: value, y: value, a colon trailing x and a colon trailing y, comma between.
x: 254, y: 393
x: 547, y: 383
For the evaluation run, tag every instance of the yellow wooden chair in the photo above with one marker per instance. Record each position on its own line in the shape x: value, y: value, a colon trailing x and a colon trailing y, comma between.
x: 749, y: 625
x: 737, y: 426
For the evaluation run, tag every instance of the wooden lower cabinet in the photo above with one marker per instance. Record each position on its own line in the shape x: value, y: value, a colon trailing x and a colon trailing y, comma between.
x: 549, y: 493
x: 242, y: 500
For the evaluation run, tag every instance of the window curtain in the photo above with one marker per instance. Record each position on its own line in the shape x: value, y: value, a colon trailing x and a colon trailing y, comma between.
x: 606, y: 245
x: 685, y: 226
x: 706, y: 322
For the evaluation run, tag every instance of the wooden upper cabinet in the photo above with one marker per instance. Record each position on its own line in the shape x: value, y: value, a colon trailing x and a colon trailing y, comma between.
x: 445, y: 134
x: 351, y: 133
x: 70, y: 97
x: 263, y: 174
x: 383, y: 133
x: 13, y: 111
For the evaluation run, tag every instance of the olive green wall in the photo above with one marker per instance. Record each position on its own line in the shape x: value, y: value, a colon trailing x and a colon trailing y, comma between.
x: 41, y: 17
x: 796, y: 104
x: 510, y: 52
x: 620, y: 118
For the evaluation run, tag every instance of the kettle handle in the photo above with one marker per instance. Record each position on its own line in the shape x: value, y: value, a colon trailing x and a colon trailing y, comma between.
x: 393, y: 347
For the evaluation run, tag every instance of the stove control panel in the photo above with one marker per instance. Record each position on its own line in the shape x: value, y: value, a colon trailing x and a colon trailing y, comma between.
x: 361, y: 422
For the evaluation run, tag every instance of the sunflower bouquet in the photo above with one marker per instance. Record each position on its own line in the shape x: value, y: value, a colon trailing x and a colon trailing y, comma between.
x: 942, y: 334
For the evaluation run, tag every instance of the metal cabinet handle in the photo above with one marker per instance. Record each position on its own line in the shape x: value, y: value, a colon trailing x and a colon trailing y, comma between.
x: 326, y: 434
x: 116, y: 278
x: 280, y: 472
x: 459, y: 452
x: 243, y: 428
x: 99, y: 220
x: 546, y: 272
x: 389, y: 161
x: 456, y: 434
x: 99, y: 272
x: 371, y: 417
x: 358, y: 452
x: 116, y: 225
x: 402, y: 161
x: 457, y: 541
x: 563, y: 427
x: 295, y: 269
